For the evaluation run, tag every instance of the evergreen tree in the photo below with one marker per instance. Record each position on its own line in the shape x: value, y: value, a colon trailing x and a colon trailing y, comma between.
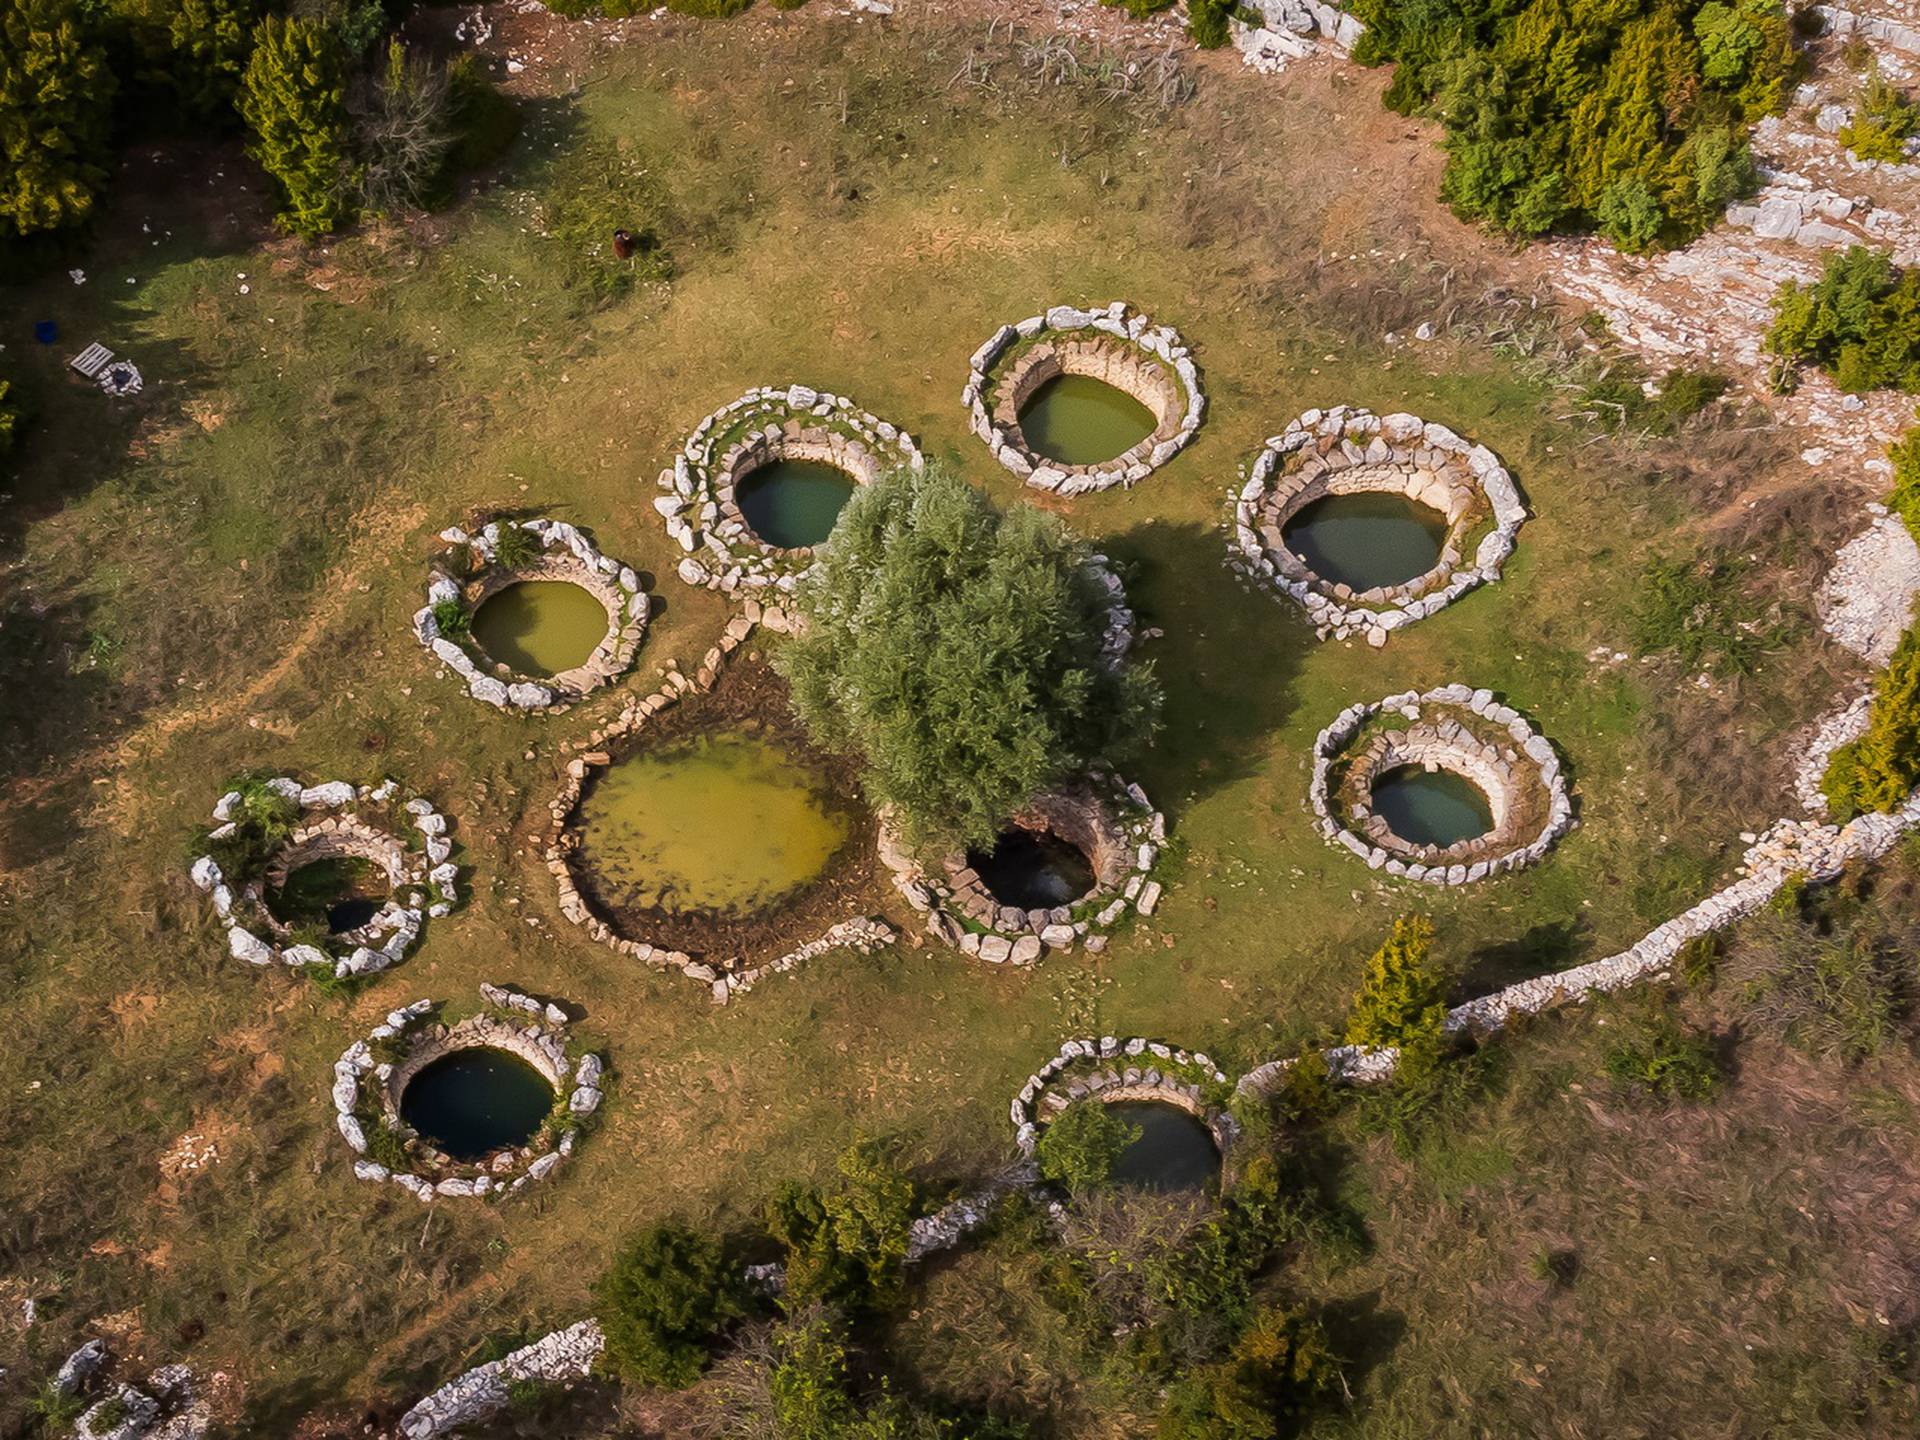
x: 1402, y: 994
x: 1879, y: 770
x: 294, y: 101
x: 663, y: 1303
x: 55, y: 107
x: 211, y: 41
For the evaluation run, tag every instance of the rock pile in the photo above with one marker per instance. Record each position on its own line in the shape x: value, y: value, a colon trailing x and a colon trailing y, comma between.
x: 165, y: 1406
x: 1866, y: 599
x: 1290, y: 30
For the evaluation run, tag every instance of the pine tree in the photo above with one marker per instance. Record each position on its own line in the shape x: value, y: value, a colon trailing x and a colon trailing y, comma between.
x: 294, y: 101
x: 55, y: 108
x: 1403, y: 994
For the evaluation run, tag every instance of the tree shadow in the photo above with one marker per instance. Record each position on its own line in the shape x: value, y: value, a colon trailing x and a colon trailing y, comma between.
x: 1228, y: 661
x: 1364, y: 1333
x: 1545, y: 948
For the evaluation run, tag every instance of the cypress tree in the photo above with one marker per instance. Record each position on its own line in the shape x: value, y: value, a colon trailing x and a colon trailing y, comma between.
x: 294, y: 100
x: 1402, y: 994
x: 55, y: 109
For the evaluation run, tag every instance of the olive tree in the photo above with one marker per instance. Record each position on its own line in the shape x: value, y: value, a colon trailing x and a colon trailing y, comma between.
x: 957, y: 651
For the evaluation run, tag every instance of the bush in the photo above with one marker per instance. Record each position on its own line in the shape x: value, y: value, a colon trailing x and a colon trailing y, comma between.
x: 294, y: 101
x: 485, y: 122
x: 1280, y: 1373
x: 1904, y: 501
x: 1860, y: 321
x: 515, y: 546
x: 402, y: 132
x: 11, y: 421
x: 1569, y: 114
x: 211, y: 42
x: 957, y: 651
x: 1080, y: 1145
x: 1207, y: 22
x: 709, y: 9
x: 663, y: 1302
x: 847, y: 1244
x: 1404, y: 993
x: 1882, y: 123
x: 56, y: 95
x: 262, y: 821
x: 1878, y: 771
x: 1666, y: 1057
x: 452, y: 618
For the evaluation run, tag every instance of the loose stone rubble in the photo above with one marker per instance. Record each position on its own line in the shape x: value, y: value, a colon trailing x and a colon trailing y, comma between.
x: 1457, y: 728
x: 722, y: 552
x: 1817, y: 743
x: 1346, y: 450
x: 1290, y: 30
x: 1109, y: 821
x: 1111, y: 1069
x: 1865, y: 601
x: 337, y: 819
x: 164, y: 1407
x: 723, y: 978
x: 557, y: 1359
x: 468, y: 575
x: 371, y: 1076
x: 1114, y: 344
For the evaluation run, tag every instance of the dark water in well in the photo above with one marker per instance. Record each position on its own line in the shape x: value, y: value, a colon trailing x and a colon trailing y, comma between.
x: 344, y: 891
x: 1367, y: 539
x: 1431, y: 807
x: 791, y: 503
x: 1078, y: 420
x: 540, y: 627
x: 1033, y: 869
x: 1174, y: 1151
x: 475, y: 1101
x: 727, y: 822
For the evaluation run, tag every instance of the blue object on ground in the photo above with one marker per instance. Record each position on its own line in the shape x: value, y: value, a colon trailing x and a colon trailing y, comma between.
x: 45, y: 331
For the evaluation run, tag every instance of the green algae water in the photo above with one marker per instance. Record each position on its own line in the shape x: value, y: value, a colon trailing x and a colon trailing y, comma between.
x: 1174, y: 1151
x: 540, y: 627
x: 1431, y: 807
x: 1078, y: 420
x: 1367, y: 539
x: 475, y: 1101
x: 1033, y: 870
x: 794, y: 503
x: 727, y: 823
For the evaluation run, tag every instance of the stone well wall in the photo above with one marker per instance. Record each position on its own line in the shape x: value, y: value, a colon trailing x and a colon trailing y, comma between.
x: 798, y: 422
x: 566, y: 555
x: 1344, y: 450
x: 1112, y: 1069
x: 337, y: 818
x: 367, y: 1092
x: 1458, y: 728
x: 1115, y: 344
x: 1108, y: 821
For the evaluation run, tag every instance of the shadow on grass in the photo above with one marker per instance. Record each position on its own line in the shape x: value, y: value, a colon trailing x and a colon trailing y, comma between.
x: 1228, y: 661
x: 1541, y: 950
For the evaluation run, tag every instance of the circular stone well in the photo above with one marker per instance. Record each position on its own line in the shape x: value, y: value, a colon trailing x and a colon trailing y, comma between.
x: 483, y: 1107
x: 1113, y: 1071
x: 563, y: 618
x: 1066, y: 869
x: 1080, y: 400
x: 756, y: 486
x: 277, y: 892
x: 1447, y: 787
x: 1366, y: 521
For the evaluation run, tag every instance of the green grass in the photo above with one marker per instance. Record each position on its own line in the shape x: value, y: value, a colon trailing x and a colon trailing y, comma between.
x: 218, y: 578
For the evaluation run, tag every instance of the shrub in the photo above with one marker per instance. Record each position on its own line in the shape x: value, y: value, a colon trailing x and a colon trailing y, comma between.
x: 1666, y: 1057
x: 1699, y: 959
x: 515, y: 546
x: 384, y: 1145
x: 262, y: 821
x: 56, y: 94
x: 402, y: 132
x: 1080, y: 1145
x: 11, y: 424
x: 452, y: 618
x: 485, y: 122
x: 1879, y: 770
x: 1904, y: 500
x: 709, y: 9
x: 211, y: 42
x: 1139, y: 9
x: 957, y: 651
x: 1404, y: 993
x: 1207, y: 22
x: 1306, y: 1092
x: 663, y: 1302
x: 294, y: 101
x: 847, y: 1244
x: 1882, y: 123
x: 1860, y: 321
x: 1280, y: 1373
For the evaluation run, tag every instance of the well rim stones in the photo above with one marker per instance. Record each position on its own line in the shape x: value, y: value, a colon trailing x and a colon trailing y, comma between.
x: 337, y: 819
x: 1347, y: 450
x: 698, y: 499
x: 371, y: 1076
x: 1111, y: 1069
x: 1476, y: 736
x: 1114, y: 344
x: 1110, y: 821
x: 566, y: 555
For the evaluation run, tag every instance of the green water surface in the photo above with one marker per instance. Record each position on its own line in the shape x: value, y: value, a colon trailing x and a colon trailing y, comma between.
x: 1174, y: 1151
x: 1078, y: 420
x: 793, y: 503
x: 1433, y: 807
x: 727, y: 823
x: 1367, y: 539
x: 476, y: 1100
x: 540, y: 627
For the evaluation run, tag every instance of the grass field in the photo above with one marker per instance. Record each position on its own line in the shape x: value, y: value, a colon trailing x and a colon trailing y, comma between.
x: 217, y: 578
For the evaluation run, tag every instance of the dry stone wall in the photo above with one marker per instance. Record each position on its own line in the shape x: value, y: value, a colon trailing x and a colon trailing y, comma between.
x: 1111, y: 1069
x: 561, y: 1358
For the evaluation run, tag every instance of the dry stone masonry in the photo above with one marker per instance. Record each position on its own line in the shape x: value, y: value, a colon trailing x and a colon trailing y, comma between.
x: 336, y: 819
x: 1455, y: 728
x: 1107, y: 820
x: 1111, y: 1069
x: 1116, y: 345
x: 697, y: 498
x: 557, y: 1359
x: 469, y: 573
x: 1271, y: 33
x: 1343, y: 451
x: 371, y: 1075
